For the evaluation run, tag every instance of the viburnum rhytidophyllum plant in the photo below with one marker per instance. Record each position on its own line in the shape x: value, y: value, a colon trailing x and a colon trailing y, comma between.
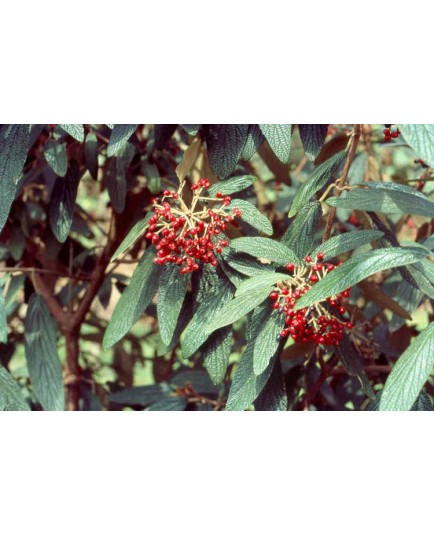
x: 187, y: 234
x: 318, y: 323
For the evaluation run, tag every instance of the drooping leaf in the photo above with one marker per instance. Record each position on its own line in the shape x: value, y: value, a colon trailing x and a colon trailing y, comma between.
x: 320, y: 177
x: 388, y: 198
x: 255, y: 139
x: 117, y: 180
x: 313, y: 138
x: 237, y: 308
x: 55, y: 155
x: 168, y: 403
x: 134, y: 300
x: 409, y: 373
x: 273, y: 396
x: 421, y: 140
x: 423, y: 403
x: 260, y: 281
x: 40, y: 342
x: 247, y: 265
x: 279, y: 139
x: 345, y: 242
x: 300, y: 235
x: 119, y: 138
x: 225, y: 144
x: 173, y: 286
x: 409, y: 297
x: 3, y: 319
x: 265, y: 248
x: 232, y: 185
x: 76, y: 131
x: 353, y: 365
x: 135, y: 233
x: 62, y: 202
x: 14, y: 144
x: 356, y: 269
x: 91, y: 154
x: 251, y: 215
x: 267, y: 340
x: 216, y: 354
x: 11, y: 398
x: 142, y: 395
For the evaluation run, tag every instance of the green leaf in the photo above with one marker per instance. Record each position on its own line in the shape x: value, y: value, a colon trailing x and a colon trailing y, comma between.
x: 192, y: 130
x: 142, y: 395
x: 117, y: 180
x: 247, y: 265
x: 232, y: 185
x: 345, y: 242
x: 255, y: 139
x: 300, y: 235
x: 321, y: 176
x: 91, y: 154
x: 353, y: 365
x: 409, y: 373
x: 423, y: 403
x: 251, y: 215
x: 260, y: 281
x: 313, y: 138
x: 421, y: 140
x: 11, y: 398
x: 225, y: 144
x: 209, y: 308
x: 14, y: 144
x: 3, y: 320
x: 134, y: 300
x: 40, y: 343
x: 388, y: 198
x: 119, y: 138
x: 76, y: 131
x: 265, y: 248
x: 279, y: 139
x: 55, y: 155
x: 267, y: 340
x: 173, y: 287
x: 273, y: 396
x: 356, y: 269
x: 135, y: 233
x: 237, y: 308
x: 216, y: 354
x: 169, y: 403
x: 62, y: 203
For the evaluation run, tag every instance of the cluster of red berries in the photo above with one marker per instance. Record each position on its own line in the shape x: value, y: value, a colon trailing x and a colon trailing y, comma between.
x: 318, y: 322
x: 187, y: 235
x: 389, y: 133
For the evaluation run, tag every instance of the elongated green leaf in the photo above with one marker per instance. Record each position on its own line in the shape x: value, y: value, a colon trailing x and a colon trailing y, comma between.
x: 246, y: 265
x: 255, y: 139
x: 346, y: 242
x: 251, y: 215
x: 356, y: 269
x: 225, y: 144
x: 423, y: 403
x: 76, y: 131
x: 168, y: 403
x: 408, y: 297
x: 321, y: 176
x: 55, y: 155
x: 134, y: 300
x: 388, y: 198
x: 142, y: 395
x: 421, y: 140
x: 353, y: 365
x: 11, y: 398
x: 117, y: 180
x: 40, y: 342
x: 300, y: 235
x: 173, y: 286
x: 91, y: 154
x: 232, y: 185
x: 3, y: 320
x: 267, y: 340
x: 261, y: 281
x: 62, y: 203
x: 216, y: 354
x: 279, y: 139
x: 237, y: 308
x: 273, y: 396
x: 136, y: 232
x: 119, y: 138
x: 14, y: 144
x: 265, y: 248
x: 410, y: 373
x: 209, y: 308
x: 313, y: 138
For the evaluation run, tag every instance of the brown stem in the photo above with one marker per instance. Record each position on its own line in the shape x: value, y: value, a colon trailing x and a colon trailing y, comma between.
x: 72, y: 370
x: 342, y: 179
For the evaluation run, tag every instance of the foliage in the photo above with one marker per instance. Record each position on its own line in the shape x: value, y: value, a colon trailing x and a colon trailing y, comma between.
x: 216, y: 267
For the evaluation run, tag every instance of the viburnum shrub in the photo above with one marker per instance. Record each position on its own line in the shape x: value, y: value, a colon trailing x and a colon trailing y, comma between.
x: 265, y: 267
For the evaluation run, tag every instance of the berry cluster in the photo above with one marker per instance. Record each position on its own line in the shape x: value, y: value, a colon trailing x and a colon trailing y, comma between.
x: 389, y: 133
x: 318, y: 322
x: 187, y: 235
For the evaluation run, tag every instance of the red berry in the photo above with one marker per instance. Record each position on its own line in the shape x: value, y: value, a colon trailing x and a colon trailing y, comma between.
x: 320, y: 256
x: 308, y: 258
x: 290, y: 267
